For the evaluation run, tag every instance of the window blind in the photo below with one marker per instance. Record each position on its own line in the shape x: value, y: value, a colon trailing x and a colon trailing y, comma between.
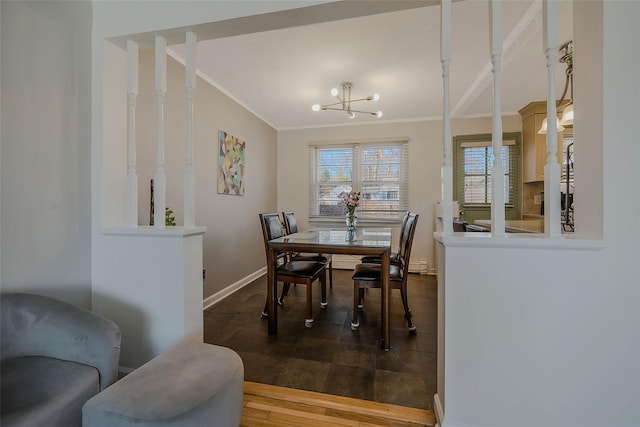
x: 379, y: 171
x: 473, y: 171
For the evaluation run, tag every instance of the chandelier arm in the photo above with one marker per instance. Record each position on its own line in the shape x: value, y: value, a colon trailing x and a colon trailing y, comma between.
x: 331, y: 105
x: 365, y: 112
x: 368, y: 98
x: 566, y: 86
x: 333, y: 108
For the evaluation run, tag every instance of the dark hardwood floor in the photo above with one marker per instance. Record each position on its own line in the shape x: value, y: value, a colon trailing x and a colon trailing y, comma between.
x: 330, y: 357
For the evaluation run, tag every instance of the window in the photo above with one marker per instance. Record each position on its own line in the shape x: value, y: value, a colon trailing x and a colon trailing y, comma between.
x: 473, y: 159
x: 379, y: 171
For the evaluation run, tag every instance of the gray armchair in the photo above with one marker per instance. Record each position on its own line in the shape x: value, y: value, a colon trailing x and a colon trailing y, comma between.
x: 54, y: 357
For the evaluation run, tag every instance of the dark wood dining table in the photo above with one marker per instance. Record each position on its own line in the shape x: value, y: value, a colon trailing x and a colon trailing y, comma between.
x: 368, y: 241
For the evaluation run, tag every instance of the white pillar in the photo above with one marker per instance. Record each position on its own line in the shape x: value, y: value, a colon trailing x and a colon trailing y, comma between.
x: 132, y: 178
x: 447, y: 163
x: 160, y: 178
x: 497, y: 170
x: 552, y: 168
x: 189, y: 174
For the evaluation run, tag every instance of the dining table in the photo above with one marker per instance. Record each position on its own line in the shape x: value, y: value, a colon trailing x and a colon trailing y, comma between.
x: 365, y: 241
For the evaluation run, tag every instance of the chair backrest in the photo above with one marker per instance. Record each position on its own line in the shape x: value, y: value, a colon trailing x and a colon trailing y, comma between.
x: 290, y: 224
x: 402, y: 229
x: 271, y: 228
x: 408, y: 232
x: 459, y: 225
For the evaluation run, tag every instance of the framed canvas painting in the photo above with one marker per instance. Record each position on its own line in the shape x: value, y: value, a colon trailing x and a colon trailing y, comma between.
x: 231, y: 163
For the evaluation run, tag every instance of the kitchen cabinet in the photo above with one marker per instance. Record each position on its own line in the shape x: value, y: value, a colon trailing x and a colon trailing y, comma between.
x: 534, y: 145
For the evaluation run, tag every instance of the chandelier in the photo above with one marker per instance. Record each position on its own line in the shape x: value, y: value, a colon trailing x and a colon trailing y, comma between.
x: 344, y: 102
x: 567, y: 113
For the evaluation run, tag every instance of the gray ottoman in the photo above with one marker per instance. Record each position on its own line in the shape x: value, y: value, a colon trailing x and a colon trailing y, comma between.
x: 192, y: 384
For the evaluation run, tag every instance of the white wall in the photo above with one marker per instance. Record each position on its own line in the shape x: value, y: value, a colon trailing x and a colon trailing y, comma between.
x: 425, y: 160
x: 46, y: 130
x: 541, y: 332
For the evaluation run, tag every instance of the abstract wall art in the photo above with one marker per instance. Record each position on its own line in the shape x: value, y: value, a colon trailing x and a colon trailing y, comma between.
x: 231, y: 163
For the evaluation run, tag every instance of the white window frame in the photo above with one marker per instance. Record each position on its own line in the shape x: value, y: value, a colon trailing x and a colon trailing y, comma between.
x: 357, y: 181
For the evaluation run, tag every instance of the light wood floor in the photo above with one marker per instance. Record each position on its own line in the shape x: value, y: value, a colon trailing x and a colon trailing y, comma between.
x: 271, y: 406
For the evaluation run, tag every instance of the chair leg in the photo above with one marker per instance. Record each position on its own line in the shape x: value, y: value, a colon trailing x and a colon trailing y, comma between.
x: 331, y: 274
x: 360, y: 298
x: 308, y: 322
x: 265, y: 311
x: 285, y: 292
x: 355, y: 324
x: 407, y: 312
x: 323, y: 289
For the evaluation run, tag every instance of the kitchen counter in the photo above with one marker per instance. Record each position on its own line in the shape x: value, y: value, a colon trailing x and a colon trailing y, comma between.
x: 517, y: 226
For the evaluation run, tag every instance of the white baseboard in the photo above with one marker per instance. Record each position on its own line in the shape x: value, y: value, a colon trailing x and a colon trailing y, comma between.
x: 220, y: 295
x: 437, y: 406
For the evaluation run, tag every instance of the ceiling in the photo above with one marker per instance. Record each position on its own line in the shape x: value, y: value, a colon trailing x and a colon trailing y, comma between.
x: 278, y: 74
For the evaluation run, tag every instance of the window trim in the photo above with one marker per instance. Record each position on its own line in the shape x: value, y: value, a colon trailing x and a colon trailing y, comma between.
x: 513, y: 208
x: 403, y: 142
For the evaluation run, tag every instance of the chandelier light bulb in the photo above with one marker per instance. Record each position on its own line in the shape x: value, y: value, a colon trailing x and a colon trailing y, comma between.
x: 376, y: 96
x: 334, y: 92
x: 352, y: 114
x: 379, y: 114
x: 315, y: 107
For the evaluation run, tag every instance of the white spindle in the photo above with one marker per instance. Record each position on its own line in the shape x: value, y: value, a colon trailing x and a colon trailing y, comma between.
x: 552, y: 168
x: 132, y: 93
x: 447, y: 163
x: 189, y: 175
x: 497, y: 170
x: 160, y: 179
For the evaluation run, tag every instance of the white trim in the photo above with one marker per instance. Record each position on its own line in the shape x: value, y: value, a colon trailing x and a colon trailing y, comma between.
x: 518, y: 240
x: 437, y: 409
x: 150, y: 231
x: 360, y: 141
x: 220, y: 295
x: 377, y: 122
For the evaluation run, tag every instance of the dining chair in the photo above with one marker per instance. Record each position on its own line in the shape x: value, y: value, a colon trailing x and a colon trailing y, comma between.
x: 368, y: 275
x: 393, y: 257
x: 294, y: 271
x: 291, y: 226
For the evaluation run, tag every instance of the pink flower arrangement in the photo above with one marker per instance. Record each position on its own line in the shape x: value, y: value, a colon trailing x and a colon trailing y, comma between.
x: 351, y: 200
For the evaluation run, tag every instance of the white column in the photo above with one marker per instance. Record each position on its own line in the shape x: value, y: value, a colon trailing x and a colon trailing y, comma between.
x: 132, y: 92
x: 447, y: 163
x: 552, y: 168
x: 189, y: 174
x: 160, y: 178
x: 497, y: 170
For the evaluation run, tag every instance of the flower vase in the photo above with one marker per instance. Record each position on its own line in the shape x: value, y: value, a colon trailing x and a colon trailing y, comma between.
x: 351, y: 221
